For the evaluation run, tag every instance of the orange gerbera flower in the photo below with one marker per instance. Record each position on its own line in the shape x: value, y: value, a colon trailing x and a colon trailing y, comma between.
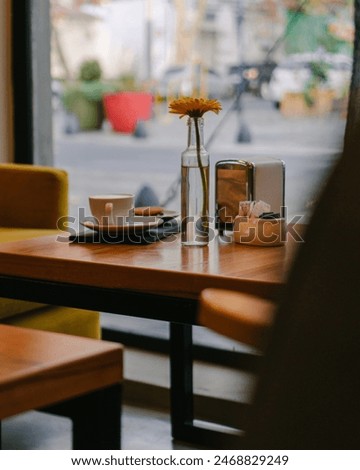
x: 194, y: 107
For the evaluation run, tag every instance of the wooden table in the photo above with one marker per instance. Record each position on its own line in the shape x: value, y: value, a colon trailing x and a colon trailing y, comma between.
x: 160, y: 281
x: 81, y: 376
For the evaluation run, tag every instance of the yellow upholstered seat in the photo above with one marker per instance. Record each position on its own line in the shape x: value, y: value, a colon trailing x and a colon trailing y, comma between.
x: 32, y: 196
x: 66, y: 320
x: 33, y: 203
x: 11, y: 307
x: 10, y: 234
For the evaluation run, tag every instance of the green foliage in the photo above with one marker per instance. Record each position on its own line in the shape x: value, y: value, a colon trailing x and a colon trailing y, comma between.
x: 91, y: 91
x: 84, y: 97
x: 90, y: 70
x: 127, y: 82
x: 70, y: 96
x: 319, y: 75
x: 319, y: 72
x: 307, y: 32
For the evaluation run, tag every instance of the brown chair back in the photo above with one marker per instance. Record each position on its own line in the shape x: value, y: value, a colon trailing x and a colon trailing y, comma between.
x: 308, y: 395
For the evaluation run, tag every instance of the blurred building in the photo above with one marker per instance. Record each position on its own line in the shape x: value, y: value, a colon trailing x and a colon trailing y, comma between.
x: 146, y: 37
x: 81, y: 30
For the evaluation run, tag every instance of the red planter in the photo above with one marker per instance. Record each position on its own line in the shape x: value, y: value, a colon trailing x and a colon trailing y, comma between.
x: 123, y: 110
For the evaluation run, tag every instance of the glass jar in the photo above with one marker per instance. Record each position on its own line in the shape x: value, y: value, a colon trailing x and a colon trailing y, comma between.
x: 195, y: 187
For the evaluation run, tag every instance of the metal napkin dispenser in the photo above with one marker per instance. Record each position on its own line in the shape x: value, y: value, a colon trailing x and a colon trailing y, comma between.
x: 253, y: 179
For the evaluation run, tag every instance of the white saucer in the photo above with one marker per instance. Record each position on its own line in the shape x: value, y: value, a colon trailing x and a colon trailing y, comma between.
x: 168, y: 215
x: 137, y: 223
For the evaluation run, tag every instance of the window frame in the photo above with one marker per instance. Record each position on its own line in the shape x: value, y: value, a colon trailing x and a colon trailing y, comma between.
x: 31, y: 80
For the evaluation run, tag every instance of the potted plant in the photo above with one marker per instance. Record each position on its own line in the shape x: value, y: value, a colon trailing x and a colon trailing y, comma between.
x: 315, y: 99
x: 316, y: 84
x: 128, y: 106
x: 84, y: 99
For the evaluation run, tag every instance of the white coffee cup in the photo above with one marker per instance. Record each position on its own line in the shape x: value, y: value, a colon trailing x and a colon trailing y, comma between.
x: 112, y: 208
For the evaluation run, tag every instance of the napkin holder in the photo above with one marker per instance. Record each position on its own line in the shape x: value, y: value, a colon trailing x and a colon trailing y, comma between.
x: 259, y: 232
x: 256, y: 178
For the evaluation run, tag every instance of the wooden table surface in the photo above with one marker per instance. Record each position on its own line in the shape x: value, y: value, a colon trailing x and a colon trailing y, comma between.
x: 39, y: 368
x: 162, y: 268
x: 160, y: 281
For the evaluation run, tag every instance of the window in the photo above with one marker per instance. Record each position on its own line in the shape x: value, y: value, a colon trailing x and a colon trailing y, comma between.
x: 267, y: 61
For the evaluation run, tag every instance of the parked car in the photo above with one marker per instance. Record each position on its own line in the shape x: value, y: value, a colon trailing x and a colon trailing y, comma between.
x: 295, y: 71
x: 185, y: 80
x: 251, y: 76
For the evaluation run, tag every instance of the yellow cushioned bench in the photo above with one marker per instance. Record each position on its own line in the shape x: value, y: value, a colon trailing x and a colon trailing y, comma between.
x: 32, y: 201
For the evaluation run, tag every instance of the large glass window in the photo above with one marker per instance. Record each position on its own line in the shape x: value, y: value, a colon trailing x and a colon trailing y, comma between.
x: 281, y: 69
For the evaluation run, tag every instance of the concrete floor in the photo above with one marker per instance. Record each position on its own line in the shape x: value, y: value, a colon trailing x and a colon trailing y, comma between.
x: 142, y: 429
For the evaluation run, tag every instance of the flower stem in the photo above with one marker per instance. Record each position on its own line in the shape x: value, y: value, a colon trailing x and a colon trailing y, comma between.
x: 201, y: 168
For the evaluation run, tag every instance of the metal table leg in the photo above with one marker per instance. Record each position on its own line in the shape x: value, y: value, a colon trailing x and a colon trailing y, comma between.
x: 181, y: 377
x: 181, y: 397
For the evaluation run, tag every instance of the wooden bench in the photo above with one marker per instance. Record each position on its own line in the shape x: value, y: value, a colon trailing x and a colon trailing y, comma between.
x: 68, y: 375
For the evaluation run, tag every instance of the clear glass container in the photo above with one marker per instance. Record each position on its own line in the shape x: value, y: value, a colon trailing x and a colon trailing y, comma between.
x: 195, y: 187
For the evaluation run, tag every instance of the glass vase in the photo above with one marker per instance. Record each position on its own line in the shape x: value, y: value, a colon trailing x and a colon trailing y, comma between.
x: 195, y: 187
